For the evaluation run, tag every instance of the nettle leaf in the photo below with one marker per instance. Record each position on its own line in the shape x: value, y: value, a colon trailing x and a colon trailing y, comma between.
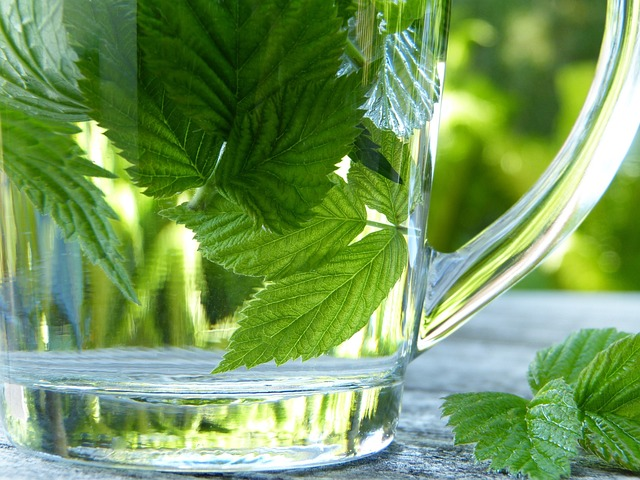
x: 406, y: 86
x: 567, y: 359
x: 47, y: 165
x: 169, y: 152
x: 370, y: 176
x: 611, y: 382
x: 277, y: 161
x: 262, y: 75
x: 608, y: 392
x: 613, y: 438
x: 228, y: 237
x: 493, y: 421
x: 218, y: 58
x: 537, y: 438
x: 38, y: 74
x: 554, y: 429
x: 368, y: 153
x: 306, y: 314
x: 224, y: 292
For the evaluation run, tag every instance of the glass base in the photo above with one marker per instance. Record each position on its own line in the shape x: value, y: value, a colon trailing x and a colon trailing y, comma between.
x: 295, y: 421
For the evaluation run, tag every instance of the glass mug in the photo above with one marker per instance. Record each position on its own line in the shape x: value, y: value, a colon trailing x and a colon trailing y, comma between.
x: 187, y: 181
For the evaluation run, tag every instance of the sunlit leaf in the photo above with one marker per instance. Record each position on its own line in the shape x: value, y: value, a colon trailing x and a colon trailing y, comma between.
x: 568, y: 358
x: 306, y: 314
x: 386, y: 156
x: 536, y: 438
x: 608, y: 392
x: 228, y: 237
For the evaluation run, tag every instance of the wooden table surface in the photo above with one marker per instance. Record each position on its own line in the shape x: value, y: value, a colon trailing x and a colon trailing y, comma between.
x: 491, y: 353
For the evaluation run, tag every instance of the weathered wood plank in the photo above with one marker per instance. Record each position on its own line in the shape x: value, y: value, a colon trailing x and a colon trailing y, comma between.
x: 490, y: 353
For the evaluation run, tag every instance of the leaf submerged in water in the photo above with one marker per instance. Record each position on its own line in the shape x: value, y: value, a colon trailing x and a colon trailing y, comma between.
x: 403, y: 94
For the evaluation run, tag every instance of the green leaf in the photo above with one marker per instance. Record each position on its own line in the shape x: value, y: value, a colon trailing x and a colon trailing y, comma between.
x: 537, y: 438
x: 367, y: 152
x: 493, y: 421
x: 278, y: 158
x: 405, y: 87
x: 613, y: 438
x: 608, y: 392
x: 218, y: 58
x: 262, y: 75
x: 306, y: 314
x: 378, y: 191
x: 38, y: 74
x: 611, y: 382
x: 554, y: 428
x: 228, y: 237
x: 169, y: 153
x: 567, y: 359
x: 47, y: 165
x: 224, y: 291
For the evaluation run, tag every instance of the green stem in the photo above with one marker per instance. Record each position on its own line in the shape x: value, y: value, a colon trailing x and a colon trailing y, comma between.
x: 388, y: 226
x: 203, y: 195
x: 355, y: 54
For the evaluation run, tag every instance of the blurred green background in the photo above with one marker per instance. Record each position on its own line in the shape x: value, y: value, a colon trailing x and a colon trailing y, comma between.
x: 517, y: 74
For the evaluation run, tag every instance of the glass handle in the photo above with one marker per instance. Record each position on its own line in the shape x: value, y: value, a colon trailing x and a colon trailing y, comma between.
x: 462, y: 282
